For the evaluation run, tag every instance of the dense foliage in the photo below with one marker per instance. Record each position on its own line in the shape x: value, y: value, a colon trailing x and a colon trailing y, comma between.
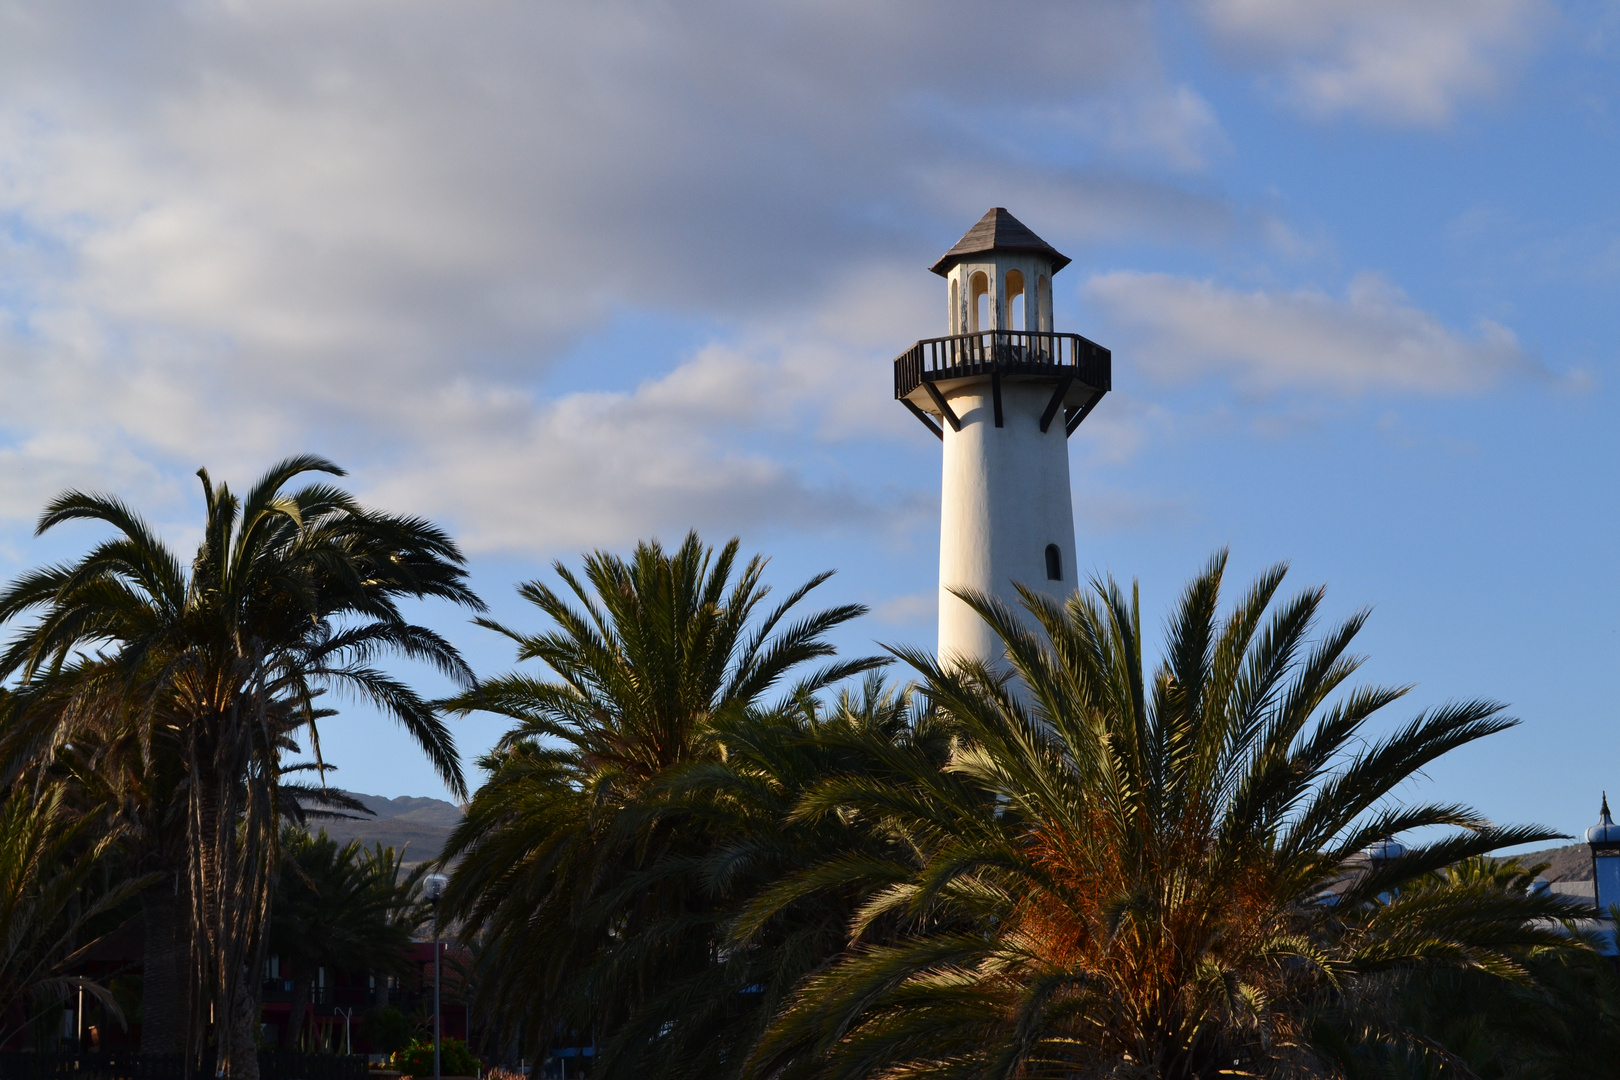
x: 51, y: 892
x: 193, y: 677
x: 709, y: 847
x: 417, y: 1059
x: 341, y: 907
x: 581, y: 866
x: 1124, y: 872
x: 1067, y: 865
x: 386, y: 1029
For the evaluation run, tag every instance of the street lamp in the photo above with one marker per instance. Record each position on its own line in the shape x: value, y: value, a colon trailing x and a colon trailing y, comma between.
x: 347, y: 1014
x: 1604, y: 840
x: 433, y: 888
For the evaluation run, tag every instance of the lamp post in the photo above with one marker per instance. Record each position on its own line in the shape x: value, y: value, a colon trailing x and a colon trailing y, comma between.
x: 1604, y: 840
x: 433, y: 888
x: 347, y: 1014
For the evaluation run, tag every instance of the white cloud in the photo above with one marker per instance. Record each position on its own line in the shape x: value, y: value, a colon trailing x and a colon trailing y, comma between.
x: 1405, y: 61
x: 1172, y: 125
x: 596, y: 469
x: 228, y: 232
x: 1371, y: 339
x: 710, y: 445
x: 726, y: 440
x: 913, y: 609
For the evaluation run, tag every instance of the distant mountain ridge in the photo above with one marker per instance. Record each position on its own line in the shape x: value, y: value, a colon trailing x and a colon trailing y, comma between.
x: 1572, y: 862
x: 416, y: 825
x: 419, y: 826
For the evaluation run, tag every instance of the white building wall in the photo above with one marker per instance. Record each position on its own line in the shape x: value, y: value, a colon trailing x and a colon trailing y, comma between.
x: 1004, y: 498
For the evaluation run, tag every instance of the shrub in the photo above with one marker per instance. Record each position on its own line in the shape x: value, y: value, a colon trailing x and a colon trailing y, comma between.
x: 388, y: 1032
x: 454, y: 1058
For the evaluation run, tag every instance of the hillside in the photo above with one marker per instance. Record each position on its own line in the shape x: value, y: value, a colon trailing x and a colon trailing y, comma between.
x: 421, y: 825
x: 1572, y: 862
x: 417, y: 825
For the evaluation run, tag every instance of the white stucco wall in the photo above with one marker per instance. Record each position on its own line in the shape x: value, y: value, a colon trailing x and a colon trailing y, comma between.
x: 1004, y: 497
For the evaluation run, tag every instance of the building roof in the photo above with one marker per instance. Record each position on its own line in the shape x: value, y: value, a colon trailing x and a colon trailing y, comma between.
x: 998, y: 231
x: 1605, y: 834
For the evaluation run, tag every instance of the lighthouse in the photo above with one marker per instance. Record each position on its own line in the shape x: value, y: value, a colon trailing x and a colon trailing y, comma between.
x: 1003, y: 391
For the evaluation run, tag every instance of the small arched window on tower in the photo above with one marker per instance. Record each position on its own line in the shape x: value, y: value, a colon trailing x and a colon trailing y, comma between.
x: 955, y: 314
x: 1015, y: 301
x: 979, y: 302
x: 1054, y: 563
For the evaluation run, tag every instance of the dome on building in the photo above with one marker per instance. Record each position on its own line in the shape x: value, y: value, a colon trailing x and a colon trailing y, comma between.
x: 1605, y: 833
x: 1385, y: 850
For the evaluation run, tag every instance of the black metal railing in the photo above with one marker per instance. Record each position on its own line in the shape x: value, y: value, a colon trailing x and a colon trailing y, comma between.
x: 1005, y: 352
x: 273, y: 1065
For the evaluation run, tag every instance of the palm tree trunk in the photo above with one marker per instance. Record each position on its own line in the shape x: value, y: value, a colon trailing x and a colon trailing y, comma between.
x: 207, y: 866
x: 295, y: 1019
x: 245, y: 1014
x: 166, y: 967
x: 228, y: 961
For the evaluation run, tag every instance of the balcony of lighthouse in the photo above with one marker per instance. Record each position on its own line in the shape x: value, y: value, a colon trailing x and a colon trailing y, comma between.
x: 1079, y: 371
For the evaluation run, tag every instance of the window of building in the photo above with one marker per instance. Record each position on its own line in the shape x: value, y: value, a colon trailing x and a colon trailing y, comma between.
x: 1054, y: 563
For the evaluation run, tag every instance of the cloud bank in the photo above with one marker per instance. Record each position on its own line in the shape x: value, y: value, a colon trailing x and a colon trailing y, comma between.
x: 229, y: 231
x: 375, y: 229
x: 1391, y: 60
x: 1372, y: 338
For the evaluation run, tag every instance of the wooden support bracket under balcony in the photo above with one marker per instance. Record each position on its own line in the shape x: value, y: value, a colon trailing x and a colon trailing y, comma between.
x: 1056, y: 402
x: 943, y: 405
x: 927, y: 421
x: 1074, y: 416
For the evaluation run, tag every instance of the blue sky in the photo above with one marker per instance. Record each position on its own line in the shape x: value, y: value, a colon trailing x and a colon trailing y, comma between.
x: 566, y: 275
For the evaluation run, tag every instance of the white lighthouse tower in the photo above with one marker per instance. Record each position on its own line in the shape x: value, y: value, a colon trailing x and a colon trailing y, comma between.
x: 1003, y: 392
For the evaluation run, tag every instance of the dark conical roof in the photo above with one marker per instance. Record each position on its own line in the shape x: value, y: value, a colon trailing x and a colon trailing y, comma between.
x: 998, y: 230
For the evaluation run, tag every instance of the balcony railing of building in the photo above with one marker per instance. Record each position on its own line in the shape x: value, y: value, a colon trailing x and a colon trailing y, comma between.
x: 282, y: 990
x: 1063, y: 361
x: 323, y: 998
x: 1003, y: 352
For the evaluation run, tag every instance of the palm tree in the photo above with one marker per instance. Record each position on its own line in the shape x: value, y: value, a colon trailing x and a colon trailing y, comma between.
x: 755, y: 873
x: 1562, y: 1020
x: 1133, y: 874
x: 335, y: 907
x: 141, y: 797
x: 585, y: 891
x: 50, y: 858
x: 289, y: 594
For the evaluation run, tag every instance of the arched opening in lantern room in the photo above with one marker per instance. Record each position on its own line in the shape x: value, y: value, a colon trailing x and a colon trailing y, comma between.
x: 979, y: 302
x: 1015, y: 301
